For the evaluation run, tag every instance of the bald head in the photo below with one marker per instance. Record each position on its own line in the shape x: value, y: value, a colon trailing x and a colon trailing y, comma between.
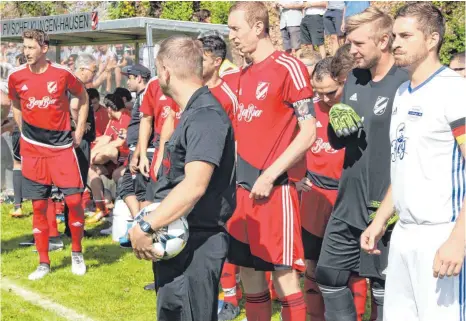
x: 182, y: 56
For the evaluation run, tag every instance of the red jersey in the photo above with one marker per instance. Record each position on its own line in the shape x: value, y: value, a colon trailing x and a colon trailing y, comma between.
x: 324, y: 164
x: 157, y: 105
x: 114, y: 127
x: 272, y: 95
x: 227, y: 98
x: 101, y: 120
x: 45, y: 107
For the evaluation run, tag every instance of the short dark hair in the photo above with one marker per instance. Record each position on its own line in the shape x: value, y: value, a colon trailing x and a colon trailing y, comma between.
x: 202, y: 15
x: 114, y: 102
x: 322, y: 69
x: 342, y: 62
x: 214, y: 45
x: 429, y: 17
x: 254, y: 11
x: 123, y: 93
x: 93, y: 93
x: 38, y: 35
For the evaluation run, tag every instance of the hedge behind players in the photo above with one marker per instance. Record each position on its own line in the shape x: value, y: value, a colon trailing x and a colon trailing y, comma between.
x: 198, y: 181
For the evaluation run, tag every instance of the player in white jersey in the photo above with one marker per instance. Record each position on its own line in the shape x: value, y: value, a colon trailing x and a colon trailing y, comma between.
x: 426, y: 274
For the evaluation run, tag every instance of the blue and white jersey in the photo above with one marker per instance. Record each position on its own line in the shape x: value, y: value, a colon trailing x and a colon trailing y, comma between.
x: 427, y: 167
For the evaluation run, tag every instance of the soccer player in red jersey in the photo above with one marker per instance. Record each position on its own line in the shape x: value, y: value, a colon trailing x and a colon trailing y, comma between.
x: 214, y: 54
x: 319, y: 188
x: 215, y: 50
x: 156, y: 107
x: 100, y: 112
x: 109, y: 153
x: 38, y: 91
x: 275, y: 126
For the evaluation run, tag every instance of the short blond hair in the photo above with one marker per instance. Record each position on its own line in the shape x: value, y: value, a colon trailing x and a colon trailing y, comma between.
x: 381, y: 21
x: 254, y: 11
x: 307, y: 53
x: 183, y: 55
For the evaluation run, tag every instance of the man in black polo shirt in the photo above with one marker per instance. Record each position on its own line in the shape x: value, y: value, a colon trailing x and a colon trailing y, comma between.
x: 132, y: 186
x: 196, y: 180
x: 369, y: 90
x: 85, y: 70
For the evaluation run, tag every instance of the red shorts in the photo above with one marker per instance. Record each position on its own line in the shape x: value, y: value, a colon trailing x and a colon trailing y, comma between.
x: 267, y: 233
x: 316, y: 207
x: 61, y: 170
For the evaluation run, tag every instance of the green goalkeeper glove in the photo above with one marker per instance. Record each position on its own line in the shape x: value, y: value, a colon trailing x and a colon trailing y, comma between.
x: 344, y: 120
x: 391, y: 221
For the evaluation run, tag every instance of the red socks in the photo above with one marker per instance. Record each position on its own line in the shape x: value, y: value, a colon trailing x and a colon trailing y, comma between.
x: 259, y: 306
x: 358, y: 287
x: 51, y: 218
x: 314, y: 300
x: 228, y: 282
x: 41, y: 229
x: 293, y: 307
x: 76, y: 220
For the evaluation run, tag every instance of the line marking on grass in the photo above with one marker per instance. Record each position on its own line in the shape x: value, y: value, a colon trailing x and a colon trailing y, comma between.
x: 39, y: 301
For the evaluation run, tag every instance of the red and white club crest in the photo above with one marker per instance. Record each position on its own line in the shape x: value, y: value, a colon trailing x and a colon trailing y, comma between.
x: 52, y: 87
x: 262, y: 90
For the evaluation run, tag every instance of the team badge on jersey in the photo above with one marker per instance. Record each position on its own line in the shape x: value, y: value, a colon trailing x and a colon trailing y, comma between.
x: 380, y: 105
x: 415, y: 113
x: 52, y: 87
x: 262, y: 90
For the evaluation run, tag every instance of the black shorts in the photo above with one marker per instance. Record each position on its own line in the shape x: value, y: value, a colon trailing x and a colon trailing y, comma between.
x: 312, y: 30
x: 187, y: 285
x: 15, y: 138
x: 83, y: 153
x: 312, y: 245
x: 134, y: 184
x: 333, y: 18
x: 341, y: 250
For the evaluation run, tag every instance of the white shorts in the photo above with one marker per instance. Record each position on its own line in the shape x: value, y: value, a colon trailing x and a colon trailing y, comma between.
x: 411, y: 291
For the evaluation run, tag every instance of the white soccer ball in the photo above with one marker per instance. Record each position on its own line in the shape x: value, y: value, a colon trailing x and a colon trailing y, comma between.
x: 170, y: 240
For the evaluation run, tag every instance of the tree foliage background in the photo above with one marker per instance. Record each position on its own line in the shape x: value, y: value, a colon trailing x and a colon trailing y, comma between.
x: 454, y: 12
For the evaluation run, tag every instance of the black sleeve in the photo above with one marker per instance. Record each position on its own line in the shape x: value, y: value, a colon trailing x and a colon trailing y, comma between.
x: 304, y: 109
x: 90, y: 136
x: 205, y: 136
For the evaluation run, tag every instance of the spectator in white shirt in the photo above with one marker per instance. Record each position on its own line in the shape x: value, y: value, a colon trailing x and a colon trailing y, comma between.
x: 291, y: 14
x: 312, y: 25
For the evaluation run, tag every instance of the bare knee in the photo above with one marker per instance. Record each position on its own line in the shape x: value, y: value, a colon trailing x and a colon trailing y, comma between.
x: 118, y: 173
x: 253, y: 281
x: 286, y: 282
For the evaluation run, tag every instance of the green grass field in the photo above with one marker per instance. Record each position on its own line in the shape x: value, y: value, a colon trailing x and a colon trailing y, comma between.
x: 111, y: 290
